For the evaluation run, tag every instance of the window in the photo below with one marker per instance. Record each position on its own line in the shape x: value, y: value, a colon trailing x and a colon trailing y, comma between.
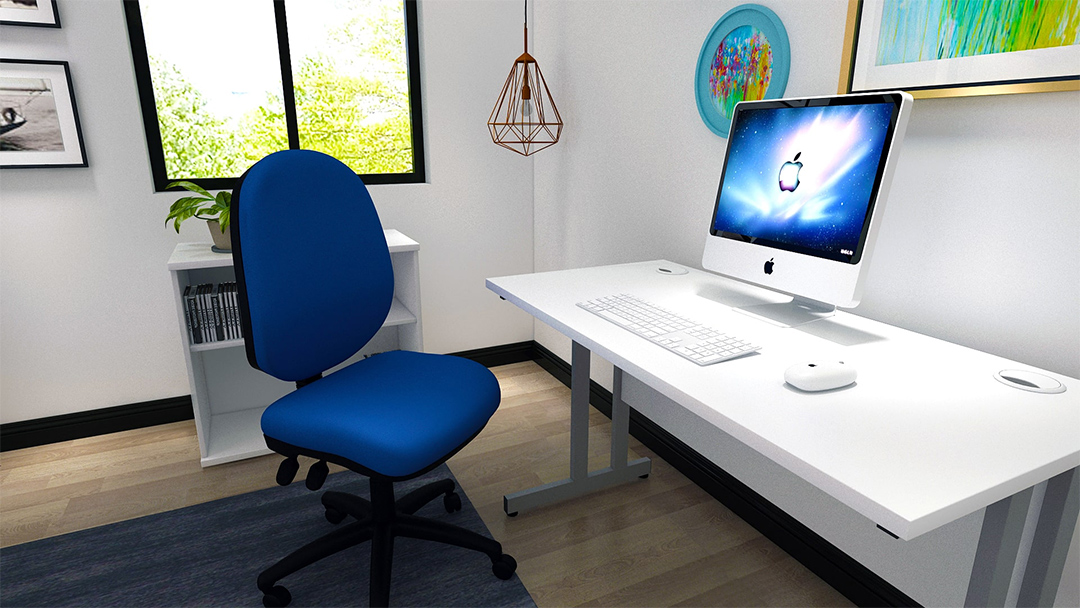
x: 223, y: 84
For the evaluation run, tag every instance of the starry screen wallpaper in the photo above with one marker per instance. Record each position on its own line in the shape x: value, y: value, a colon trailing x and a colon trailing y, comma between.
x: 801, y: 178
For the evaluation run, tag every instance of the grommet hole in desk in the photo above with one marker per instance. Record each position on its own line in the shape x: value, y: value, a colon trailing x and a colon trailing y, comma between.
x: 1029, y: 381
x: 671, y: 270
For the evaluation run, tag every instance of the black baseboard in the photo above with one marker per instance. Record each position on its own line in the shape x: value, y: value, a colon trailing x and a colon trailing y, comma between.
x: 855, y: 581
x: 42, y: 431
x: 494, y: 356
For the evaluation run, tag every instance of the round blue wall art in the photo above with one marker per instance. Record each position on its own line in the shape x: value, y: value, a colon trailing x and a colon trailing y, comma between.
x: 745, y: 57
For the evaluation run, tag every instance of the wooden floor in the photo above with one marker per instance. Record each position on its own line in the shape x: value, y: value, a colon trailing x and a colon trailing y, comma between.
x: 661, y: 541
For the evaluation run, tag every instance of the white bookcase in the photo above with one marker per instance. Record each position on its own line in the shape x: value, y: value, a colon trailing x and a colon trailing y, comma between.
x: 227, y: 394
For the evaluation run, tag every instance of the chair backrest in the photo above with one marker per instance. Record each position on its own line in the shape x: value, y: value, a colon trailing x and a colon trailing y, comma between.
x: 313, y: 271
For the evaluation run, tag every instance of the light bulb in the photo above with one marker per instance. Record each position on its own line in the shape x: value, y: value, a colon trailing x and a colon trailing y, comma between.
x: 526, y: 102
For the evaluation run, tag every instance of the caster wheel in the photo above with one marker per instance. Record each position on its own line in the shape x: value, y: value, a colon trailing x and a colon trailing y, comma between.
x: 334, y: 516
x: 278, y: 597
x: 504, y: 566
x: 452, y: 502
x: 645, y: 476
x: 514, y: 514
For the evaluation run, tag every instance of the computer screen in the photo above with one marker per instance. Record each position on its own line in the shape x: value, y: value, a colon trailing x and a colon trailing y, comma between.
x: 801, y: 185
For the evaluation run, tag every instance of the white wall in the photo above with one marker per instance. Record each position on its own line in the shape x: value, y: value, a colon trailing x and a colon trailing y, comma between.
x: 978, y: 245
x: 86, y: 317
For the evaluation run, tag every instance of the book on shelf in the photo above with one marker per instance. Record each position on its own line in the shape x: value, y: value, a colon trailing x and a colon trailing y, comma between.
x: 235, y: 310
x: 211, y: 312
x: 215, y: 312
x: 194, y: 331
x: 204, y: 310
x: 234, y: 306
x: 227, y: 311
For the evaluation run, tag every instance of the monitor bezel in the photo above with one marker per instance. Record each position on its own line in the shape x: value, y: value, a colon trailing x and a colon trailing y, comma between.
x: 897, y: 101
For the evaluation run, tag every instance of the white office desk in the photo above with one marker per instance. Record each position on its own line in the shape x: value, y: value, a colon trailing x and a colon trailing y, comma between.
x: 925, y: 436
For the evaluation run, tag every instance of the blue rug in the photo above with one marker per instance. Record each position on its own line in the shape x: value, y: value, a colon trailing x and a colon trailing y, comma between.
x: 211, y: 554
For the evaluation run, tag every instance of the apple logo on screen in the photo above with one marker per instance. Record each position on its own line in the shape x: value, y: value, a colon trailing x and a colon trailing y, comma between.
x: 768, y: 266
x: 789, y: 174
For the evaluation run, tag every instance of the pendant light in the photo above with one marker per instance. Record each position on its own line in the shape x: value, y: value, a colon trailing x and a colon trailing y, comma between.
x: 525, y: 118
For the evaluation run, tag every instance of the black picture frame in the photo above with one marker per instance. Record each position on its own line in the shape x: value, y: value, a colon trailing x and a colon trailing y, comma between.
x: 44, y: 14
x: 39, y: 119
x: 141, y: 61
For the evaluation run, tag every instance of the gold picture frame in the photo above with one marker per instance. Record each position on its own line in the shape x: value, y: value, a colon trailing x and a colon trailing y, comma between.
x: 993, y: 81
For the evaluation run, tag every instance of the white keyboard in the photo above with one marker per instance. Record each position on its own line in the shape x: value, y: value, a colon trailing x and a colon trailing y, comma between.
x: 699, y: 343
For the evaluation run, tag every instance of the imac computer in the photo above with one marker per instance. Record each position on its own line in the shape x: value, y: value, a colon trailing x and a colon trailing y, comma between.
x: 801, y: 197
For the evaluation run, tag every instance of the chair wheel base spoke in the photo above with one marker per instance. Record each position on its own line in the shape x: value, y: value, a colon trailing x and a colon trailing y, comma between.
x: 278, y: 597
x: 504, y: 566
x: 334, y: 516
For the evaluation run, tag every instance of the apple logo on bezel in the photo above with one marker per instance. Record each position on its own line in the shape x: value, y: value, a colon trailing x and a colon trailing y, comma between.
x: 769, y: 266
x: 789, y: 174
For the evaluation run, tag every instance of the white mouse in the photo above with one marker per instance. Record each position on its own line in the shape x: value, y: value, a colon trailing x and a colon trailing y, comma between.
x: 820, y: 375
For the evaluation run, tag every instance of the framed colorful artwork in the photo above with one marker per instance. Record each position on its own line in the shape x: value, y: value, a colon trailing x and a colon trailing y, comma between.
x: 39, y: 124
x: 39, y: 13
x: 745, y: 57
x: 952, y: 48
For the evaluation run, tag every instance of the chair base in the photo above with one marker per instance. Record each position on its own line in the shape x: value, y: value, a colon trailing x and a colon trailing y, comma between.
x: 380, y: 520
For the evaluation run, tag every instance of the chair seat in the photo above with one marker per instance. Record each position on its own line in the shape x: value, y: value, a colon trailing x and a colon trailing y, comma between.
x: 395, y: 413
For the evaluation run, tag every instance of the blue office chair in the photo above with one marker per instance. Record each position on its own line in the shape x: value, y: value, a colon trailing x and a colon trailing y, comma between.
x: 314, y: 284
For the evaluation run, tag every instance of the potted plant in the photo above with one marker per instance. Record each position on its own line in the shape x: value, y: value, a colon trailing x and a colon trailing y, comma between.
x: 205, y: 206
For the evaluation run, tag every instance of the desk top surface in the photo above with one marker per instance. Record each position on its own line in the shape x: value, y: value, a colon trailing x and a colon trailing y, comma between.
x: 925, y: 436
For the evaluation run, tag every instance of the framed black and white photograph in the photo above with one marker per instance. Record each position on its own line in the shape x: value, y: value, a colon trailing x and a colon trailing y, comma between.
x: 38, y: 13
x: 39, y: 124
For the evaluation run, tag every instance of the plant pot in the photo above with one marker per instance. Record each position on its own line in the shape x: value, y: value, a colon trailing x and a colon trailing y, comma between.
x: 222, y: 240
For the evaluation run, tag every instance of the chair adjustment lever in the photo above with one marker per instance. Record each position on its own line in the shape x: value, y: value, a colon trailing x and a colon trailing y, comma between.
x: 287, y: 471
x: 316, y: 475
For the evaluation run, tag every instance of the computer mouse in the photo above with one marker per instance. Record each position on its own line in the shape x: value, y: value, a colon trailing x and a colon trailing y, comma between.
x: 820, y: 375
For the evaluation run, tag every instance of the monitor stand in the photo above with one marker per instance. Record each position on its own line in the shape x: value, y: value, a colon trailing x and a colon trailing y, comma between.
x: 798, y: 311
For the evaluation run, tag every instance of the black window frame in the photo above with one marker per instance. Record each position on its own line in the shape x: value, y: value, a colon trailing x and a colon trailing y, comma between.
x: 141, y: 60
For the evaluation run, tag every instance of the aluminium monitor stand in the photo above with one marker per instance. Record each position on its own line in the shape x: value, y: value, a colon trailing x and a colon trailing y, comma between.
x: 798, y: 311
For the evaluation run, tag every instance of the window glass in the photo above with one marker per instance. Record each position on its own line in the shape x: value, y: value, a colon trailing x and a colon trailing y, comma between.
x: 223, y: 83
x: 351, y: 81
x: 216, y: 83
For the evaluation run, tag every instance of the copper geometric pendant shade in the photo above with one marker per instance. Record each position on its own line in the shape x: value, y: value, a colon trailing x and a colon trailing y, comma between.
x: 525, y: 118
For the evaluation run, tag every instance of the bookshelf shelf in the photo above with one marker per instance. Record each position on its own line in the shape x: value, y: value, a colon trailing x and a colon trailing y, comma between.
x: 205, y: 346
x: 229, y: 396
x: 235, y: 436
x: 399, y: 314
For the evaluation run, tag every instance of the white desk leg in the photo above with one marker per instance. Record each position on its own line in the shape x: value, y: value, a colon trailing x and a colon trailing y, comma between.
x: 581, y: 481
x: 1003, y: 560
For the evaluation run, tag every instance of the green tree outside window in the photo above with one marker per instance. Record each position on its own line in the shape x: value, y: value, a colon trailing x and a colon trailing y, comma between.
x: 352, y: 96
